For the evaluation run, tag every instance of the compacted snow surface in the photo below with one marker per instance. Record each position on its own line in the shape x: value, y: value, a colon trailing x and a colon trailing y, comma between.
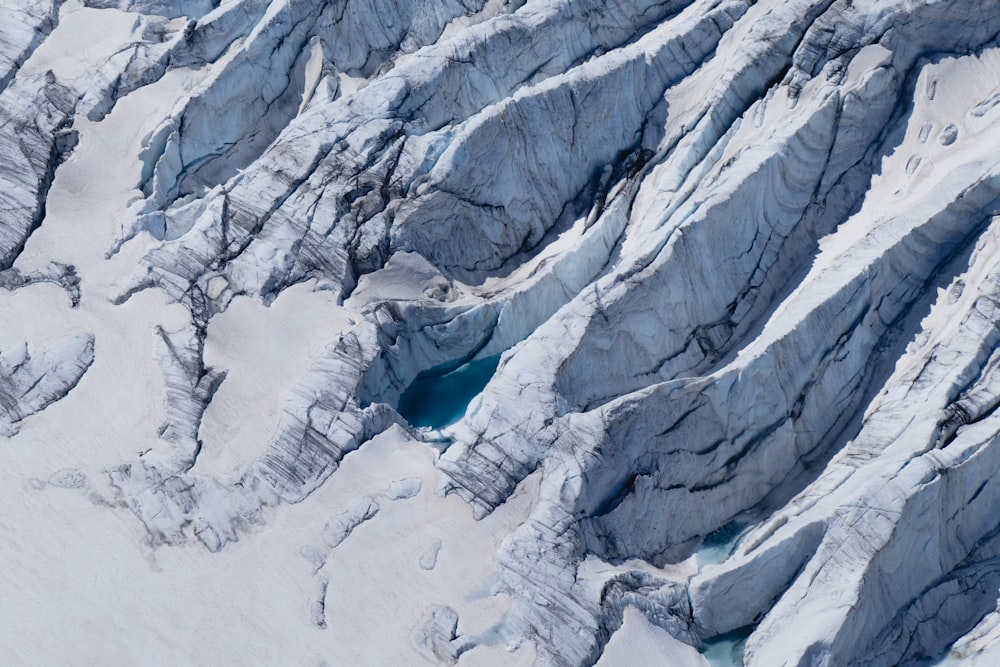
x: 499, y: 332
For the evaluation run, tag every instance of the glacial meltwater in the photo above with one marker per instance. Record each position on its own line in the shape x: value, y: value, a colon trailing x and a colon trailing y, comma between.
x: 726, y: 650
x: 437, y: 399
x: 720, y: 544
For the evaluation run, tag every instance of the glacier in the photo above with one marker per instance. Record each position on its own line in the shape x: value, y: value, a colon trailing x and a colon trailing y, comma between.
x: 482, y: 332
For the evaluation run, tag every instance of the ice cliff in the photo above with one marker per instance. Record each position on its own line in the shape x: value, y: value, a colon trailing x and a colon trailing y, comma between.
x: 740, y: 262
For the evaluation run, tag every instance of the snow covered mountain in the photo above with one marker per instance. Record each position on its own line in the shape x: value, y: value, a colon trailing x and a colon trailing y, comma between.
x: 555, y: 332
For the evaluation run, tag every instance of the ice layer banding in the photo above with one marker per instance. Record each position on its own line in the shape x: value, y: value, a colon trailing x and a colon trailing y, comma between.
x: 738, y: 260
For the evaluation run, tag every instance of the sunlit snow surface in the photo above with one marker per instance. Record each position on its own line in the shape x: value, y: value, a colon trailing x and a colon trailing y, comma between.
x: 506, y: 332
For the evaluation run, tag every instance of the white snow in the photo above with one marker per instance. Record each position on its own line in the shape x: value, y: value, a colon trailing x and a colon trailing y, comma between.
x: 727, y: 253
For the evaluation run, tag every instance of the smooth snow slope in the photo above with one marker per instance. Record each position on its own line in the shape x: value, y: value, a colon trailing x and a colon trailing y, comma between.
x: 738, y: 261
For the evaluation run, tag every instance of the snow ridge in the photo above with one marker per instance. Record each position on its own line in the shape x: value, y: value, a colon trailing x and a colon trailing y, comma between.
x: 737, y: 259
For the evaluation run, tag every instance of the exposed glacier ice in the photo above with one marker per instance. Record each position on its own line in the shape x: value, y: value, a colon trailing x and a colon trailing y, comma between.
x: 687, y: 309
